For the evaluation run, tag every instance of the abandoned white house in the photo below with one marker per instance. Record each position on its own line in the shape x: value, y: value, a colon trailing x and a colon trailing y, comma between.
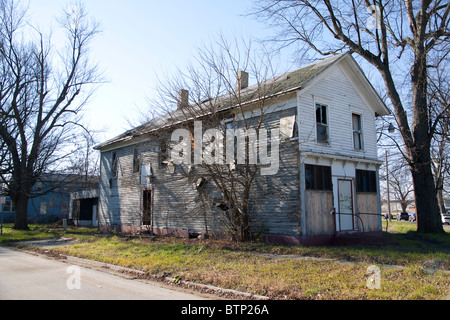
x: 325, y: 184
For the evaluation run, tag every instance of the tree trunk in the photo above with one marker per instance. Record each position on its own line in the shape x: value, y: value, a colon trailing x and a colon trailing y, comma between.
x: 441, y: 201
x: 245, y: 227
x: 21, y: 215
x: 428, y: 215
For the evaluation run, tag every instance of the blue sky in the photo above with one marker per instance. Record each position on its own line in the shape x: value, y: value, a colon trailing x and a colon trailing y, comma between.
x: 143, y: 38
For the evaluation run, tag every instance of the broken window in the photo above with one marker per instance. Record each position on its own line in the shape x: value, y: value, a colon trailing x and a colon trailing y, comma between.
x: 322, y: 123
x: 357, y: 132
x: 163, y: 154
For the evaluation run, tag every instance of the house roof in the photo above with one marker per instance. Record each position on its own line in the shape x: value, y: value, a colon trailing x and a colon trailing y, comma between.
x: 282, y: 84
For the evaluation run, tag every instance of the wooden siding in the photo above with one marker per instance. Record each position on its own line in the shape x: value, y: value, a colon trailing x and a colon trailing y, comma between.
x: 339, y: 94
x: 177, y: 204
x: 274, y: 204
x: 319, y: 221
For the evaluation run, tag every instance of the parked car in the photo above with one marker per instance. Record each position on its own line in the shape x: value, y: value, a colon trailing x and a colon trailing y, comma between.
x: 412, y: 217
x: 402, y: 216
x: 445, y: 217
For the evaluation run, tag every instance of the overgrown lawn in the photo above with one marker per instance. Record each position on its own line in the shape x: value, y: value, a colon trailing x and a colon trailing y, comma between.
x: 279, y: 272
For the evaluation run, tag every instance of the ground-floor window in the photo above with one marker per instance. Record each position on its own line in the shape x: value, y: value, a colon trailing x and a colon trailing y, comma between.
x: 366, y: 181
x: 318, y: 177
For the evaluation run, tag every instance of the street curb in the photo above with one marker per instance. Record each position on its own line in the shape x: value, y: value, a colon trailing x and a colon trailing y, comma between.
x: 170, y: 281
x: 176, y: 283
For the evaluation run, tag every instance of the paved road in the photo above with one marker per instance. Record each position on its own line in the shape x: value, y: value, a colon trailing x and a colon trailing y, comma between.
x: 27, y: 277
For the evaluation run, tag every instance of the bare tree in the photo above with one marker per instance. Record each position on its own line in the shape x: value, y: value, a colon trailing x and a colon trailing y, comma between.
x: 84, y: 161
x: 42, y: 91
x: 439, y: 97
x: 395, y: 37
x: 401, y: 184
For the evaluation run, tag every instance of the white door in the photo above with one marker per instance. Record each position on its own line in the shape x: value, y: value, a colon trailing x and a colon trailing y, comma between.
x: 345, y: 215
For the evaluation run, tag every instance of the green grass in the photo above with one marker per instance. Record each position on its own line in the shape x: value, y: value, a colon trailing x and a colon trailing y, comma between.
x: 40, y: 231
x: 280, y: 272
x: 280, y: 278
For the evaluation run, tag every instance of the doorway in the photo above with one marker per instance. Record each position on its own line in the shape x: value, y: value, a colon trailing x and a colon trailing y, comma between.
x: 147, y: 207
x: 345, y: 198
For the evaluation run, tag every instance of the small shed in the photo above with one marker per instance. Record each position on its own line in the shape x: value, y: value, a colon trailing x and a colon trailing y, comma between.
x: 83, y: 207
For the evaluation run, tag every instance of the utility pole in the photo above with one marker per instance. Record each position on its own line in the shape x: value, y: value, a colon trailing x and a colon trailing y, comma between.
x: 387, y: 186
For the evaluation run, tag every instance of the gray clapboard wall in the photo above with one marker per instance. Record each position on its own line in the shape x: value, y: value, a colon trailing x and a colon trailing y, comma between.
x: 177, y: 204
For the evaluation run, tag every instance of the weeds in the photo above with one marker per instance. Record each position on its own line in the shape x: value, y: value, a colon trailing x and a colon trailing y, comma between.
x: 279, y: 272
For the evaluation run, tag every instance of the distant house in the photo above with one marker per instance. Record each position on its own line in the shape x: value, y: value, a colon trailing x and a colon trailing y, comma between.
x: 7, y: 208
x: 327, y: 183
x: 50, y: 197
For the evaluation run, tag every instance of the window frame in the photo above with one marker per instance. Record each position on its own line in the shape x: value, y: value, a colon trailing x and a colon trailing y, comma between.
x: 9, y: 206
x: 43, y: 208
x: 163, y: 153
x: 358, y: 132
x: 366, y: 181
x: 136, y: 160
x: 321, y: 123
x: 320, y: 178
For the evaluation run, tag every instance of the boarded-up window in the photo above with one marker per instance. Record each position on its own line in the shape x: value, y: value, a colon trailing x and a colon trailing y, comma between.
x: 318, y: 177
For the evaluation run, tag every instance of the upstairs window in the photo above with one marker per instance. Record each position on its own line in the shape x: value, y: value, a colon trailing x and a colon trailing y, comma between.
x: 163, y: 153
x: 357, y: 132
x: 136, y: 160
x: 322, y: 123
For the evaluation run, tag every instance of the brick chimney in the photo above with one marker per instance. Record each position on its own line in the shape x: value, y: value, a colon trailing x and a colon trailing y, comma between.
x: 183, y: 98
x: 242, y: 80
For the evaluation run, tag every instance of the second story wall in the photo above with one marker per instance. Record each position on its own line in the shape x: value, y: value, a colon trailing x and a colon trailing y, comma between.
x: 332, y: 115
